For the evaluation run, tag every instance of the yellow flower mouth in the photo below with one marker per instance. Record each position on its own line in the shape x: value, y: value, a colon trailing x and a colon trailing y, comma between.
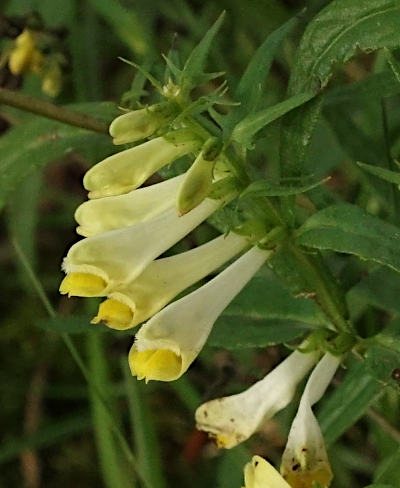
x: 155, y: 364
x: 82, y: 285
x: 306, y: 479
x: 114, y: 314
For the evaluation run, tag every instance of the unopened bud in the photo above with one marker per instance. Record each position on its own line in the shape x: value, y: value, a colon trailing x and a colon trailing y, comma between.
x: 139, y: 124
x: 52, y: 80
x: 22, y: 54
x: 197, y: 184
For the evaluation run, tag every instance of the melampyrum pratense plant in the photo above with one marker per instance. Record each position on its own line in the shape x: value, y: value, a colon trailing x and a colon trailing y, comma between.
x: 290, y: 222
x: 126, y: 229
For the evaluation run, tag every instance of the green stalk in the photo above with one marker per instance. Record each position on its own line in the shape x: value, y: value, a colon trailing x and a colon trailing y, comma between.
x: 52, y: 111
x: 112, y: 468
x: 144, y: 432
x: 328, y: 295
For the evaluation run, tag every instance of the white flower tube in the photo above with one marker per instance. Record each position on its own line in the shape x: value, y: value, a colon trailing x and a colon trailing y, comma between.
x: 235, y: 418
x: 260, y: 474
x: 163, y: 280
x: 98, y: 264
x: 170, y: 341
x: 126, y: 170
x: 305, y: 460
x: 104, y: 214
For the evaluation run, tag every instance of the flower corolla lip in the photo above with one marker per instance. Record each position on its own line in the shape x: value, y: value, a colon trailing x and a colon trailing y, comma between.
x: 305, y: 460
x: 163, y: 279
x: 127, y: 170
x: 169, y: 342
x: 119, y: 256
x: 260, y: 474
x: 233, y: 419
x: 105, y: 214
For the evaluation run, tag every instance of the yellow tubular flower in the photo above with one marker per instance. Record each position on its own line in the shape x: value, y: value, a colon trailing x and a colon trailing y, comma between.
x: 170, y: 341
x: 233, y: 419
x: 163, y: 280
x: 260, y: 474
x: 126, y: 170
x: 119, y: 256
x: 139, y: 124
x: 23, y: 53
x: 104, y: 214
x: 305, y: 460
x: 52, y: 81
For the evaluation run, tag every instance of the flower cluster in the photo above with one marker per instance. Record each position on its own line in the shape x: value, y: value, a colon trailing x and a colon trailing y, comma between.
x: 27, y: 55
x: 233, y: 419
x: 126, y: 229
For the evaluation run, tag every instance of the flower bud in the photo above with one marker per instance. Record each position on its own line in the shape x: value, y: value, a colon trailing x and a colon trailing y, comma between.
x: 139, y: 124
x: 52, y: 80
x: 22, y: 54
x: 198, y: 179
x: 126, y: 170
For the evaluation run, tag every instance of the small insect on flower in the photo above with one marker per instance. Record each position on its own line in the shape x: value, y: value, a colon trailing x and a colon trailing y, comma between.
x: 169, y: 342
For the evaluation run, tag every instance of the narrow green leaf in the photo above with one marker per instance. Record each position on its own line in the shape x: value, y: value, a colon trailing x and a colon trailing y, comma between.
x: 349, y: 229
x: 332, y: 38
x: 193, y: 70
x: 250, y: 125
x: 383, y: 173
x: 264, y: 188
x: 347, y: 403
x: 250, y: 86
x: 32, y: 145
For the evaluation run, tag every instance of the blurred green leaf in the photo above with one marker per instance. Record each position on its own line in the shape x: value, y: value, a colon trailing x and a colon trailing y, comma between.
x: 389, y: 472
x: 383, y: 356
x: 332, y: 38
x: 370, y: 291
x: 349, y: 229
x: 347, y: 403
x: 48, y: 435
x: 32, y: 145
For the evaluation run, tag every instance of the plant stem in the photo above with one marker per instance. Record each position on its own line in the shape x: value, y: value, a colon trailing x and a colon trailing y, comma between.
x: 328, y: 294
x: 52, y: 111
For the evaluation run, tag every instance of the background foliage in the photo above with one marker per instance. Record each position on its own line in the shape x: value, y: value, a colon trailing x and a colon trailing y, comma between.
x: 55, y: 429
